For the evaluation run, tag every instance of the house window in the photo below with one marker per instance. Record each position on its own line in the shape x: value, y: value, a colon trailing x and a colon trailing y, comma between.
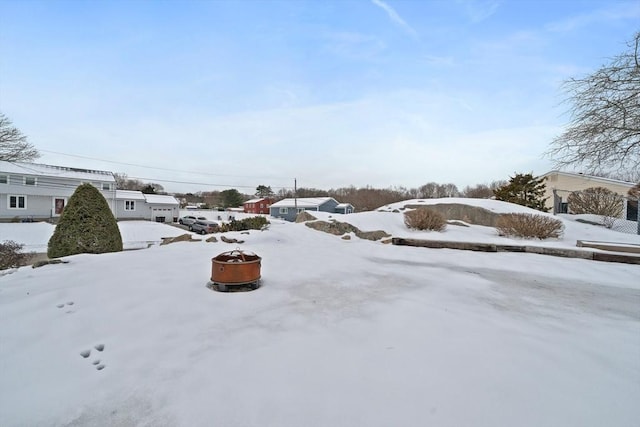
x: 4, y: 179
x: 261, y: 205
x: 129, y: 205
x: 106, y: 186
x: 29, y: 180
x: 563, y: 207
x: 284, y: 211
x: 17, y: 202
x: 632, y: 210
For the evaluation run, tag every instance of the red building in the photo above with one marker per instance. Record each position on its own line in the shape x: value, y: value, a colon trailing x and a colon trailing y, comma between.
x: 258, y: 206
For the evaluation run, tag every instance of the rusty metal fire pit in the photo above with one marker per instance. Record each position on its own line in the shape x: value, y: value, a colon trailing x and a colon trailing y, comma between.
x: 235, y: 268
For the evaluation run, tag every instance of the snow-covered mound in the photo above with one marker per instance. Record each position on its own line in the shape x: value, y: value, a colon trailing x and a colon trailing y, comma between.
x: 390, y: 218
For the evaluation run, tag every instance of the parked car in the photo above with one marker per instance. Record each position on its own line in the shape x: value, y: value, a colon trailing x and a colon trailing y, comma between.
x: 190, y: 219
x: 204, y: 227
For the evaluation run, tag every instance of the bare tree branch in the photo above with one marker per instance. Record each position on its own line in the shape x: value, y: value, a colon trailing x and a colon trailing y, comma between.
x: 13, y: 144
x: 604, y: 130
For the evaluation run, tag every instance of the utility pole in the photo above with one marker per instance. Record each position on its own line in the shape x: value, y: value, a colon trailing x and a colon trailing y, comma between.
x: 295, y: 194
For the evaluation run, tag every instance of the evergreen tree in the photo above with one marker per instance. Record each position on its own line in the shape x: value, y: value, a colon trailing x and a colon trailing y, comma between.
x: 148, y: 189
x: 264, y: 191
x: 85, y: 226
x: 525, y: 190
x: 231, y: 198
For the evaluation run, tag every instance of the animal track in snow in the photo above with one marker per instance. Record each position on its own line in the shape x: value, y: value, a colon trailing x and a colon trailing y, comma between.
x: 96, y: 362
x: 61, y: 305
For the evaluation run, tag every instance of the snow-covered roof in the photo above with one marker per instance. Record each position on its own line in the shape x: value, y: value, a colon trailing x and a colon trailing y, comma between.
x: 152, y: 199
x: 591, y: 178
x: 129, y: 195
x: 160, y: 199
x: 303, y: 202
x: 343, y: 205
x: 255, y: 200
x: 37, y: 169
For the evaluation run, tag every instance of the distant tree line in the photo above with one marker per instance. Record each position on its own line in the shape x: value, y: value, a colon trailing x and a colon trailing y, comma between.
x: 123, y: 182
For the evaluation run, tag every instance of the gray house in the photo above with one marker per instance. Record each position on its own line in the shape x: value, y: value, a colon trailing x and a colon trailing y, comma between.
x: 154, y: 207
x: 32, y: 191
x: 288, y: 208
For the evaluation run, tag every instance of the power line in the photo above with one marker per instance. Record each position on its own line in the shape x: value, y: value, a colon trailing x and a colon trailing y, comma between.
x: 158, y: 168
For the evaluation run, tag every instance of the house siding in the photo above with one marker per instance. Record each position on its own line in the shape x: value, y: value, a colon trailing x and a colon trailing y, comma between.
x: 326, y: 206
x: 257, y: 206
x: 153, y: 207
x: 560, y: 185
x: 40, y: 197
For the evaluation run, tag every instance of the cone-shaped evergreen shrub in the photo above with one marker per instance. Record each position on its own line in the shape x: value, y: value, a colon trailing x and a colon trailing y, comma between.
x: 86, y: 226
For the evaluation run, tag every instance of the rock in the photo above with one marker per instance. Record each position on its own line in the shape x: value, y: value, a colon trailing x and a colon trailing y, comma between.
x: 372, y: 235
x: 466, y: 213
x: 48, y: 261
x: 212, y: 239
x: 228, y: 240
x: 305, y: 216
x: 181, y: 238
x: 346, y: 237
x: 340, y: 228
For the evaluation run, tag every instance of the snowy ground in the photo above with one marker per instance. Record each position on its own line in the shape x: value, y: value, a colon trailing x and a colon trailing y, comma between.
x: 341, y: 333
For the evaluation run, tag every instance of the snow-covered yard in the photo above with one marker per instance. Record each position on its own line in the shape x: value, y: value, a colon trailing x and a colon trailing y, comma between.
x: 341, y: 333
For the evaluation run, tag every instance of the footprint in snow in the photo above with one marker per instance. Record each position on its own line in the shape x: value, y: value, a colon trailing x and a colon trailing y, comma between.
x: 67, y: 303
x: 97, y: 362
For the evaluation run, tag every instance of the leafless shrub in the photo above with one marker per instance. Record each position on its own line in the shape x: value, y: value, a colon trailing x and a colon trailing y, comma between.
x: 425, y: 219
x: 529, y: 226
x: 11, y: 255
x: 597, y: 201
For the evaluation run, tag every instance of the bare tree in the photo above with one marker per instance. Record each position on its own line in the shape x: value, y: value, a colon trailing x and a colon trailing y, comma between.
x: 634, y: 192
x: 604, y: 130
x: 479, y: 191
x: 123, y: 182
x: 597, y: 201
x: 13, y: 143
x: 483, y: 191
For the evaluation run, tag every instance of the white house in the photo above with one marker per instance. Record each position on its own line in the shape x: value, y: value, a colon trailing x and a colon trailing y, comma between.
x: 559, y: 185
x: 32, y: 191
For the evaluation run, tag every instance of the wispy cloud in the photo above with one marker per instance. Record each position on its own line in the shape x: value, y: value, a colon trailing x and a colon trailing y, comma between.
x: 478, y: 11
x: 395, y: 18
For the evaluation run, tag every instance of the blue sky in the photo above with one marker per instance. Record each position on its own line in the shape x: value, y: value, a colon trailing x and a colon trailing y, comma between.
x: 216, y: 94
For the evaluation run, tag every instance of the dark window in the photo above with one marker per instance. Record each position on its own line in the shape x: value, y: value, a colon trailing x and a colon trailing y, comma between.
x: 17, y: 202
x: 632, y: 210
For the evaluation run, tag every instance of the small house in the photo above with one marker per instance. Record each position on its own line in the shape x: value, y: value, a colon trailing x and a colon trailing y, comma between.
x: 288, y: 209
x: 257, y: 206
x: 152, y: 207
x: 559, y: 185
